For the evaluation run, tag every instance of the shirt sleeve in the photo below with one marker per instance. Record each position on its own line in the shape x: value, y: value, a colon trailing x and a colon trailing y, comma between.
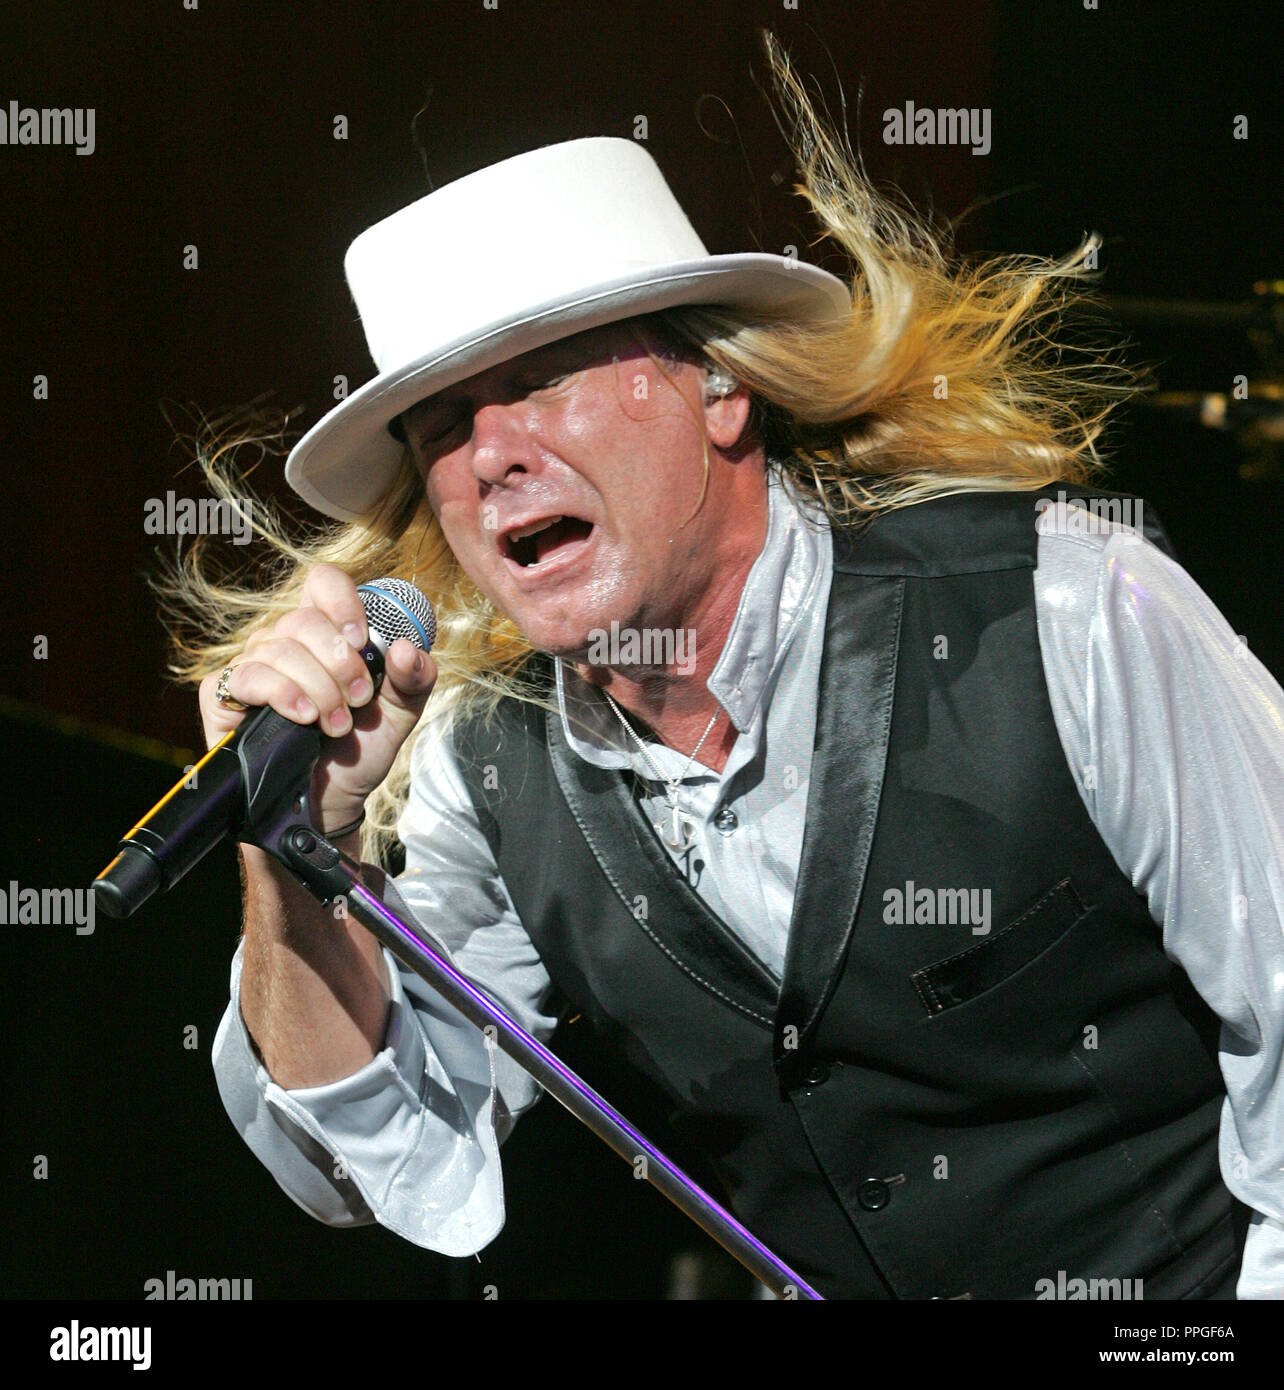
x: 411, y: 1140
x: 1175, y: 734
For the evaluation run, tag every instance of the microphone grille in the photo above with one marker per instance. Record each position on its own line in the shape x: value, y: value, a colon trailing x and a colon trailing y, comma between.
x: 395, y: 609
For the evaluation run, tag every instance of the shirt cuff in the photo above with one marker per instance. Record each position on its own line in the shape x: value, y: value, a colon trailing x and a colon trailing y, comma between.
x: 408, y: 1140
x: 1261, y: 1274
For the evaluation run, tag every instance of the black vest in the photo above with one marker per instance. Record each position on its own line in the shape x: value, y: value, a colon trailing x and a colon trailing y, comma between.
x: 919, y: 1110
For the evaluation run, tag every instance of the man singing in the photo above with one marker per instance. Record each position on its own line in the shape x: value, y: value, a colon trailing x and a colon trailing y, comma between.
x: 800, y: 719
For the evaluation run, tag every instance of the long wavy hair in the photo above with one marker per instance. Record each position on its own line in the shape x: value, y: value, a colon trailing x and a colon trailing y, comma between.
x: 947, y: 376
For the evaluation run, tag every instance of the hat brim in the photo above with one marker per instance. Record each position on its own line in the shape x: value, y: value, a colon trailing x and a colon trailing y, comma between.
x: 348, y: 459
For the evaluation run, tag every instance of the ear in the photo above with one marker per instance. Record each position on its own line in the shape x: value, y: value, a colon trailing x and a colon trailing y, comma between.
x: 725, y: 417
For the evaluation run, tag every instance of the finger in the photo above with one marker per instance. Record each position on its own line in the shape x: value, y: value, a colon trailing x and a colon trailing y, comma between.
x: 258, y: 686
x: 409, y: 675
x: 328, y: 588
x: 217, y: 717
x: 312, y: 629
x: 281, y: 672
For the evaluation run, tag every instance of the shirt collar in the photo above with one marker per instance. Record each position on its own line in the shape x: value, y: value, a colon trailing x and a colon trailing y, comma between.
x: 777, y: 593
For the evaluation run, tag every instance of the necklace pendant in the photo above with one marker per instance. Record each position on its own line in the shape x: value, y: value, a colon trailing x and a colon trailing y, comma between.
x: 676, y: 831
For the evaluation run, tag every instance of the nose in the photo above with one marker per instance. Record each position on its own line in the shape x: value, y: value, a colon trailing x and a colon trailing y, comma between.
x: 501, y: 441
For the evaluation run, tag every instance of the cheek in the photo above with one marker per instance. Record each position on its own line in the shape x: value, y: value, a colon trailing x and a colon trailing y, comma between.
x: 431, y: 476
x: 456, y: 516
x: 445, y: 489
x: 458, y: 522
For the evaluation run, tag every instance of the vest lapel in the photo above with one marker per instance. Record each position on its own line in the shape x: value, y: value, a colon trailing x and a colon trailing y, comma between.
x: 675, y: 917
x: 853, y: 721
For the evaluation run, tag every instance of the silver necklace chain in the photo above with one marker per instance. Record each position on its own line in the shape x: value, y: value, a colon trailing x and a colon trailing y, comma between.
x: 674, y: 829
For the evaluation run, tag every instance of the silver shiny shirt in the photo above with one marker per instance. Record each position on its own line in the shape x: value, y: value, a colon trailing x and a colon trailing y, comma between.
x: 1174, y: 731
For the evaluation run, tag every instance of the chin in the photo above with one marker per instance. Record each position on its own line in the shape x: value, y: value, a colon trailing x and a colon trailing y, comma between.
x: 568, y: 649
x: 557, y: 639
x: 571, y: 634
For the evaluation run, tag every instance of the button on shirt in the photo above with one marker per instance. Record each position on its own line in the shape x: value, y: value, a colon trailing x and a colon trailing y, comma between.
x: 1181, y: 727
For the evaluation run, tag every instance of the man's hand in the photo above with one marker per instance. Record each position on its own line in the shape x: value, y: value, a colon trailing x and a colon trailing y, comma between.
x: 308, y: 667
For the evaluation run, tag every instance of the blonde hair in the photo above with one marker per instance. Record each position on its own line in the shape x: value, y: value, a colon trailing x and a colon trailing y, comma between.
x: 945, y: 377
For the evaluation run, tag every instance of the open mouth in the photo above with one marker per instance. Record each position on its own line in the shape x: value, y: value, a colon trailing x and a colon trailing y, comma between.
x: 543, y: 540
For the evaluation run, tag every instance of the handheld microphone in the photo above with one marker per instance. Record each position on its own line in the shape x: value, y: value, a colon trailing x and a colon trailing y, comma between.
x: 249, y: 770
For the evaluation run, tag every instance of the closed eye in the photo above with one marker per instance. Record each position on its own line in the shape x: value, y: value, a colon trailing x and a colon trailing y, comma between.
x: 547, y: 383
x: 432, y: 431
x: 435, y: 434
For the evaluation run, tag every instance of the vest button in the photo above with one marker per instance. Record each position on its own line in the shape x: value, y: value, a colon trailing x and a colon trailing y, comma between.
x: 817, y: 1074
x: 873, y: 1194
x: 726, y: 821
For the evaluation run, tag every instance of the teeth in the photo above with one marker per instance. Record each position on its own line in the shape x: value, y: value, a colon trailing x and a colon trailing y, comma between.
x: 533, y: 529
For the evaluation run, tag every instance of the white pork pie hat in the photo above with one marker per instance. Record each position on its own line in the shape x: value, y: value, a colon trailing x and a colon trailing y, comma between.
x: 510, y: 258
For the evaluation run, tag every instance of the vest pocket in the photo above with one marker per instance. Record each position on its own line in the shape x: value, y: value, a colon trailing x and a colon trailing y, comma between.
x: 961, y: 977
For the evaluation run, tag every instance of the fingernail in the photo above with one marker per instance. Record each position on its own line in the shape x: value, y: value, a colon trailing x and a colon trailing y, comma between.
x: 340, y: 721
x: 420, y: 664
x: 305, y: 707
x: 360, y: 688
x: 354, y: 634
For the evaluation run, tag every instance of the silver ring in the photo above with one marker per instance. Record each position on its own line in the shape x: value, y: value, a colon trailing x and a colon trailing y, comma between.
x: 223, y: 695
